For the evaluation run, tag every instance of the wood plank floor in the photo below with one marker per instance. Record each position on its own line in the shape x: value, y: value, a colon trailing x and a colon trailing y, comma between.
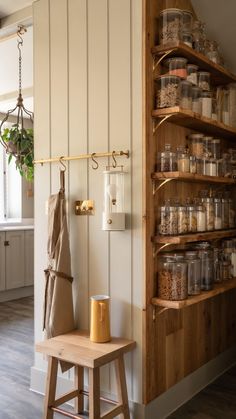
x: 217, y: 401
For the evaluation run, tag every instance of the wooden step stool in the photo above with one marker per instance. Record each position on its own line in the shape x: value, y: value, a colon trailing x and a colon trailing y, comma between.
x: 76, y: 348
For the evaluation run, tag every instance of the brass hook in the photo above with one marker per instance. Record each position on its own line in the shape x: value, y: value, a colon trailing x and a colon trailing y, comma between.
x: 114, y: 164
x: 60, y: 160
x: 95, y: 161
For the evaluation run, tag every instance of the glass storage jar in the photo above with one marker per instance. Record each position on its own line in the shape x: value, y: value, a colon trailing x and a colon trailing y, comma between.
x: 233, y: 260
x: 168, y: 220
x: 207, y: 145
x: 187, y: 38
x: 192, y: 217
x: 183, y: 220
x: 225, y: 213
x: 167, y: 91
x: 177, y: 67
x: 192, y: 73
x: 225, y: 107
x: 204, y: 80
x: 185, y: 94
x: 183, y: 159
x: 171, y: 24
x: 187, y: 21
x: 206, y: 104
x: 214, y: 111
x: 215, y: 148
x: 213, y: 52
x: 226, y: 270
x: 209, y: 207
x: 217, y: 214
x: 194, y: 273
x: 172, y: 278
x: 196, y: 145
x: 200, y: 166
x: 231, y: 214
x: 205, y: 253
x: 226, y: 165
x: 196, y: 100
x: 192, y: 164
x: 198, y: 36
x: 167, y: 160
x: 211, y: 167
x: 201, y: 218
x: 217, y: 262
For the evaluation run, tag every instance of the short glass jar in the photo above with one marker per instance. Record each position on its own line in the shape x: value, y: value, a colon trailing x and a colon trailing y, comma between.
x: 217, y: 214
x: 183, y: 220
x: 168, y: 220
x: 201, y: 218
x: 192, y: 218
x: 196, y: 145
x: 177, y: 66
x: 204, y: 80
x: 187, y: 38
x: 211, y: 167
x: 167, y: 160
x: 206, y: 104
x: 205, y: 253
x: 185, y: 94
x: 213, y: 52
x: 194, y: 272
x: 192, y: 165
x: 192, y: 73
x: 167, y: 91
x: 171, y: 24
x: 196, y: 100
x: 172, y: 278
x: 207, y: 145
x: 209, y: 207
x: 183, y: 160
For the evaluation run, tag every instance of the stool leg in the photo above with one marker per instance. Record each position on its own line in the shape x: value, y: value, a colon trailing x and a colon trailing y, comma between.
x: 121, y: 384
x: 94, y: 393
x: 50, y: 387
x: 79, y: 384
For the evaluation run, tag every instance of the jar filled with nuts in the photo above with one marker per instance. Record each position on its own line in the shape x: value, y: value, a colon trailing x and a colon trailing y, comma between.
x: 194, y: 272
x: 183, y: 220
x: 208, y: 203
x: 167, y: 91
x: 171, y: 24
x: 204, y: 80
x: 168, y: 220
x: 172, y: 278
x: 167, y: 160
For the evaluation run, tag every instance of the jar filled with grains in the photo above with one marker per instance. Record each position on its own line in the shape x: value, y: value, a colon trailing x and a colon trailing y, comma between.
x: 194, y: 272
x: 185, y: 94
x: 192, y: 73
x: 201, y: 218
x: 172, y: 278
x: 168, y: 220
x: 209, y: 207
x: 183, y: 220
x: 196, y: 100
x: 192, y: 216
x: 183, y: 159
x: 167, y: 91
x: 204, y: 80
x: 167, y: 160
x: 171, y: 24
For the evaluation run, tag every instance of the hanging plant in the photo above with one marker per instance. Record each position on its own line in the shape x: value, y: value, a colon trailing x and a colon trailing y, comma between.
x: 17, y: 140
x: 20, y: 144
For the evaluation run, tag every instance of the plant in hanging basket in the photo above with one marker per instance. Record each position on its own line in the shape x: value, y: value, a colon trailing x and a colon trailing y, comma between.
x: 19, y: 142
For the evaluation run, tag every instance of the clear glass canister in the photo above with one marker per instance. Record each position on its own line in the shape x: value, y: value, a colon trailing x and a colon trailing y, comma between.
x: 226, y: 165
x: 213, y: 52
x: 167, y: 91
x: 183, y: 159
x: 225, y: 213
x: 226, y: 270
x: 187, y: 21
x: 192, y: 217
x: 231, y: 214
x: 206, y: 104
x: 198, y: 36
x: 192, y: 73
x: 172, y: 278
x: 196, y: 145
x: 183, y: 220
x: 215, y: 148
x: 194, y: 273
x: 192, y: 164
x: 187, y: 38
x: 232, y: 104
x: 217, y: 214
x: 201, y: 218
x: 168, y: 220
x: 211, y: 167
x: 205, y: 253
x: 209, y: 207
x: 233, y: 260
x: 217, y: 262
x: 200, y: 166
x: 225, y: 107
x: 197, y: 100
x: 207, y: 145
x: 214, y: 111
x: 171, y: 24
x: 167, y: 160
x: 204, y: 80
x: 185, y: 94
x: 177, y: 67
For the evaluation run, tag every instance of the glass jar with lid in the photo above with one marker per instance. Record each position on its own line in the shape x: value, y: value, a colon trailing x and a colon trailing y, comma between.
x: 214, y: 110
x: 185, y: 94
x: 207, y: 145
x: 196, y: 145
x: 231, y: 213
x: 167, y: 91
x: 192, y: 73
x: 187, y: 21
x: 171, y: 24
x: 215, y: 148
x: 183, y: 159
x: 209, y: 207
x: 172, y: 278
x: 206, y: 104
x: 167, y: 160
x: 193, y: 164
x: 205, y: 253
x: 225, y: 213
x: 177, y: 66
x: 168, y: 220
x: 201, y: 218
x: 197, y: 100
x: 183, y: 220
x: 211, y: 167
x: 217, y: 214
x: 204, y: 80
x: 194, y: 272
x: 192, y: 217
x: 213, y: 52
x: 226, y: 165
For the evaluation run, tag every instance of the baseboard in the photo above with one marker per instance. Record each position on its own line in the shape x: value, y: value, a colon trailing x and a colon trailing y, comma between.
x: 169, y: 401
x: 16, y: 293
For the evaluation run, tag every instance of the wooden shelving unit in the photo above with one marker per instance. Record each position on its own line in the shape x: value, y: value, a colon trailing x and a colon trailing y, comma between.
x: 190, y: 177
x: 188, y: 119
x: 218, y: 289
x: 195, y: 237
x: 179, y: 49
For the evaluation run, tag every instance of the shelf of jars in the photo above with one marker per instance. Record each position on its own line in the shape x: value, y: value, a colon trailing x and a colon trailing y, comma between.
x: 205, y: 295
x: 220, y: 75
x: 192, y: 177
x: 189, y: 119
x: 194, y: 237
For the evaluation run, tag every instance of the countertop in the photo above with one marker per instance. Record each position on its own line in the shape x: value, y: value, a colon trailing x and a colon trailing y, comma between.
x: 13, y: 225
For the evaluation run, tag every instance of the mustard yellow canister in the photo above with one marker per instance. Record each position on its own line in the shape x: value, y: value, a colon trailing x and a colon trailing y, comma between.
x: 100, y: 319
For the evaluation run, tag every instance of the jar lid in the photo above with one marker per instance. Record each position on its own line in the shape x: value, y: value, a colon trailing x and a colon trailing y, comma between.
x: 171, y: 78
x: 191, y: 254
x: 180, y: 11
x: 195, y: 136
x: 204, y: 73
x: 193, y: 66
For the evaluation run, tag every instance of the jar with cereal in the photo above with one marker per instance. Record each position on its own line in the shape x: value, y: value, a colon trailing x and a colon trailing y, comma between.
x: 183, y: 220
x: 172, y: 278
x: 168, y: 220
x: 171, y: 24
x: 167, y: 91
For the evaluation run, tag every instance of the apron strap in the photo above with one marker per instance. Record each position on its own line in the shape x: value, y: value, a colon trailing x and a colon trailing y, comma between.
x: 62, y: 181
x: 60, y: 274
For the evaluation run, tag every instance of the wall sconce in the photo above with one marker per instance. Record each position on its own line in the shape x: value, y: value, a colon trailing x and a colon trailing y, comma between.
x: 114, y: 213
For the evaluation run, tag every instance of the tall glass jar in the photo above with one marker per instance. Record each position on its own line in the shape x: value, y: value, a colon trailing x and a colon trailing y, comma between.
x: 218, y: 214
x: 231, y: 213
x: 196, y: 145
x: 209, y: 207
x: 196, y: 100
x: 233, y: 260
x: 187, y: 21
x: 192, y: 216
x: 167, y: 91
x: 192, y: 73
x: 172, y: 279
x: 167, y: 160
x: 225, y: 213
x: 183, y: 160
x: 183, y: 220
x: 226, y: 165
x: 206, y: 104
x: 168, y: 220
x: 217, y: 263
x: 171, y: 24
x: 201, y: 218
x: 194, y: 273
x: 185, y: 94
x: 205, y: 253
x: 225, y: 108
x: 198, y: 36
x: 215, y: 148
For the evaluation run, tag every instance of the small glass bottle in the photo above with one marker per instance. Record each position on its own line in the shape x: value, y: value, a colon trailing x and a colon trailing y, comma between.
x: 194, y: 273
x: 201, y: 218
x: 218, y: 214
x: 192, y: 165
x: 167, y: 160
x: 183, y: 220
x: 185, y: 94
x: 168, y: 220
x: 183, y: 160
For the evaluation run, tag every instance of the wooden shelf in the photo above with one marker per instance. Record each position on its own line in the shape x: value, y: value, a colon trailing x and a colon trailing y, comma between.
x: 189, y: 119
x: 218, y: 289
x: 195, y: 237
x: 219, y: 74
x: 190, y: 177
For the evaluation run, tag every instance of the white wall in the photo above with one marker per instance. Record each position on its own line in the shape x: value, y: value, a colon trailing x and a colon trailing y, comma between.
x: 88, y: 98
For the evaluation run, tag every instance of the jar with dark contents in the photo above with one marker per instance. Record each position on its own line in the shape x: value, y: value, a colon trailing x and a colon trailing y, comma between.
x: 172, y: 278
x: 167, y: 160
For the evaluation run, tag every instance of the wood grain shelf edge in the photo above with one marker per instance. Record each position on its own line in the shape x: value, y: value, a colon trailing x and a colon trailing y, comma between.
x: 187, y: 238
x: 192, y: 177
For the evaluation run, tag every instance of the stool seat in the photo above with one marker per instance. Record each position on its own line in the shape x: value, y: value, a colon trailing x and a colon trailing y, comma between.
x: 76, y: 348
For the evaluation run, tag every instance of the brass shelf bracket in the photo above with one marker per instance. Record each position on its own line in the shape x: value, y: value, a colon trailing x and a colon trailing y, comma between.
x: 156, y: 124
x: 156, y: 188
x: 158, y: 248
x: 156, y: 312
x: 156, y: 63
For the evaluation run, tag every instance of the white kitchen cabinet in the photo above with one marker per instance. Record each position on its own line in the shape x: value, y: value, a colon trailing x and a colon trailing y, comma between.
x: 15, y: 259
x: 29, y: 258
x: 2, y: 262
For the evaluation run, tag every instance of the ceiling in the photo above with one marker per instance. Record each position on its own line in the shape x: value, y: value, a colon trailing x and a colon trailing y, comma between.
x: 219, y: 17
x: 8, y: 7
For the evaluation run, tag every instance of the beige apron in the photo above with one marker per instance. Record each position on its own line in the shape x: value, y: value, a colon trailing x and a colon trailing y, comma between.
x: 58, y: 302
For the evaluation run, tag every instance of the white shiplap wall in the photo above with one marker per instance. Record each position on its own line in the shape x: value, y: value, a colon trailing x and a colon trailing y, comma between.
x: 88, y: 98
